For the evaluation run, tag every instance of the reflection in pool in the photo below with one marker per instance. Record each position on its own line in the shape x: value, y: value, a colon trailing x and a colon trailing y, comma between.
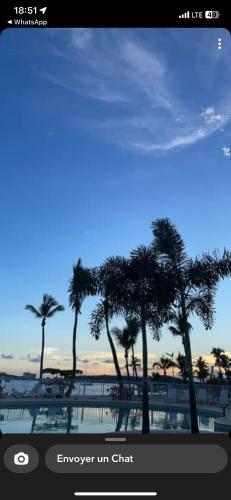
x: 76, y: 419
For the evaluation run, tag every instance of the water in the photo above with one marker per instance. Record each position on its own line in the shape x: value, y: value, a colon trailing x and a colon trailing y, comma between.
x: 85, y: 419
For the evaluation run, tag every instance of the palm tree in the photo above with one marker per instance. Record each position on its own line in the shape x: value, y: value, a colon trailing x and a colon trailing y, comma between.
x: 107, y: 286
x: 127, y: 337
x: 226, y: 365
x: 47, y: 309
x: 100, y: 318
x: 164, y: 364
x: 201, y: 369
x: 82, y: 284
x: 138, y: 287
x: 195, y: 287
x: 144, y: 292
x: 217, y: 353
x: 180, y: 363
x: 134, y: 364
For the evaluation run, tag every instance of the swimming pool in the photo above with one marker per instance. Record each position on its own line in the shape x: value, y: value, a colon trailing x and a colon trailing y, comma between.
x: 93, y: 419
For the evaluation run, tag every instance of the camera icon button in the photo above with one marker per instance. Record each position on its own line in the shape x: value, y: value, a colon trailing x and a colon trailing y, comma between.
x: 21, y: 458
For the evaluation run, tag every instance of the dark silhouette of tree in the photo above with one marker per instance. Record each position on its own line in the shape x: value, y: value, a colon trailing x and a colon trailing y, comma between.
x: 195, y: 288
x: 126, y: 338
x: 82, y: 285
x: 100, y: 319
x: 164, y: 364
x: 201, y: 369
x: 47, y: 309
x: 140, y: 287
x: 180, y: 363
x: 217, y: 353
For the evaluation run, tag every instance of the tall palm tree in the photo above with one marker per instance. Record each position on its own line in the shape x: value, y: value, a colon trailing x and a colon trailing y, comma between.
x: 106, y: 283
x: 164, y: 364
x: 82, y: 284
x: 201, y: 369
x: 47, y: 309
x: 195, y: 287
x: 146, y: 294
x: 126, y: 338
x: 138, y: 287
x: 100, y: 318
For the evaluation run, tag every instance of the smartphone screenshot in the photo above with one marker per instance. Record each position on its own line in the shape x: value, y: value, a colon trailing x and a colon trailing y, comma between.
x: 115, y: 255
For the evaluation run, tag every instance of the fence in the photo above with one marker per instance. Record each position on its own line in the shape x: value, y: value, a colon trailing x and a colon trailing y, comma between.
x: 131, y: 390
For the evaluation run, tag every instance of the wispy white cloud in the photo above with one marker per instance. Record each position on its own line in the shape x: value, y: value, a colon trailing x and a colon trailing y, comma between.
x: 135, y: 79
x: 210, y: 116
x: 227, y: 151
x: 51, y: 350
x: 81, y: 37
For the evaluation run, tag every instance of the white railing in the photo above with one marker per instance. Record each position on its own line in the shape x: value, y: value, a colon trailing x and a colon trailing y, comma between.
x: 132, y: 390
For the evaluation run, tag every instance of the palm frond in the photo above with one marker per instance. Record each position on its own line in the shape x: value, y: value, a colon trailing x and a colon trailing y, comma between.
x: 82, y: 284
x: 97, y: 320
x: 168, y: 241
x: 32, y: 309
x: 58, y: 308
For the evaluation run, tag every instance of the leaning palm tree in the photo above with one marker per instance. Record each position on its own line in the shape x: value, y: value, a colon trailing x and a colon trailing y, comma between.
x: 82, y: 284
x: 195, y: 287
x: 109, y: 278
x: 47, y: 309
x: 100, y: 319
x: 164, y: 364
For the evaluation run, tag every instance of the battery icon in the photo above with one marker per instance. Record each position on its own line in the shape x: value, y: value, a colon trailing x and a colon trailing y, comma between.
x: 212, y: 14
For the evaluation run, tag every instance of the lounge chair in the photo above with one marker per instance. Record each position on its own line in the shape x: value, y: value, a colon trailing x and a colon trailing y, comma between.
x: 202, y: 396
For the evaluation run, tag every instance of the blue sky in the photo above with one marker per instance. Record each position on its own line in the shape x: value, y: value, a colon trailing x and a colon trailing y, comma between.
x: 102, y: 132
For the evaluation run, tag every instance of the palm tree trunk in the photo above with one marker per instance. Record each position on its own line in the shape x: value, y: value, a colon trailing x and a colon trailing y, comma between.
x: 127, y: 367
x: 114, y: 355
x: 133, y: 364
x: 42, y: 349
x: 74, y: 344
x: 135, y: 372
x: 70, y: 389
x: 188, y: 358
x: 145, y: 422
x: 127, y: 370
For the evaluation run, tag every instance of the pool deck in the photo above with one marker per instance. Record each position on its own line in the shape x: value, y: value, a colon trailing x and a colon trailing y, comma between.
x: 158, y: 404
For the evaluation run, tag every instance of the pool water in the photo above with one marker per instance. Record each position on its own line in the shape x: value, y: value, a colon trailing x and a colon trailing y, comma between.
x: 77, y: 419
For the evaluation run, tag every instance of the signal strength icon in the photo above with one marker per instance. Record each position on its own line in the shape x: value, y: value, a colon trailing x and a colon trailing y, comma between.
x: 186, y: 15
